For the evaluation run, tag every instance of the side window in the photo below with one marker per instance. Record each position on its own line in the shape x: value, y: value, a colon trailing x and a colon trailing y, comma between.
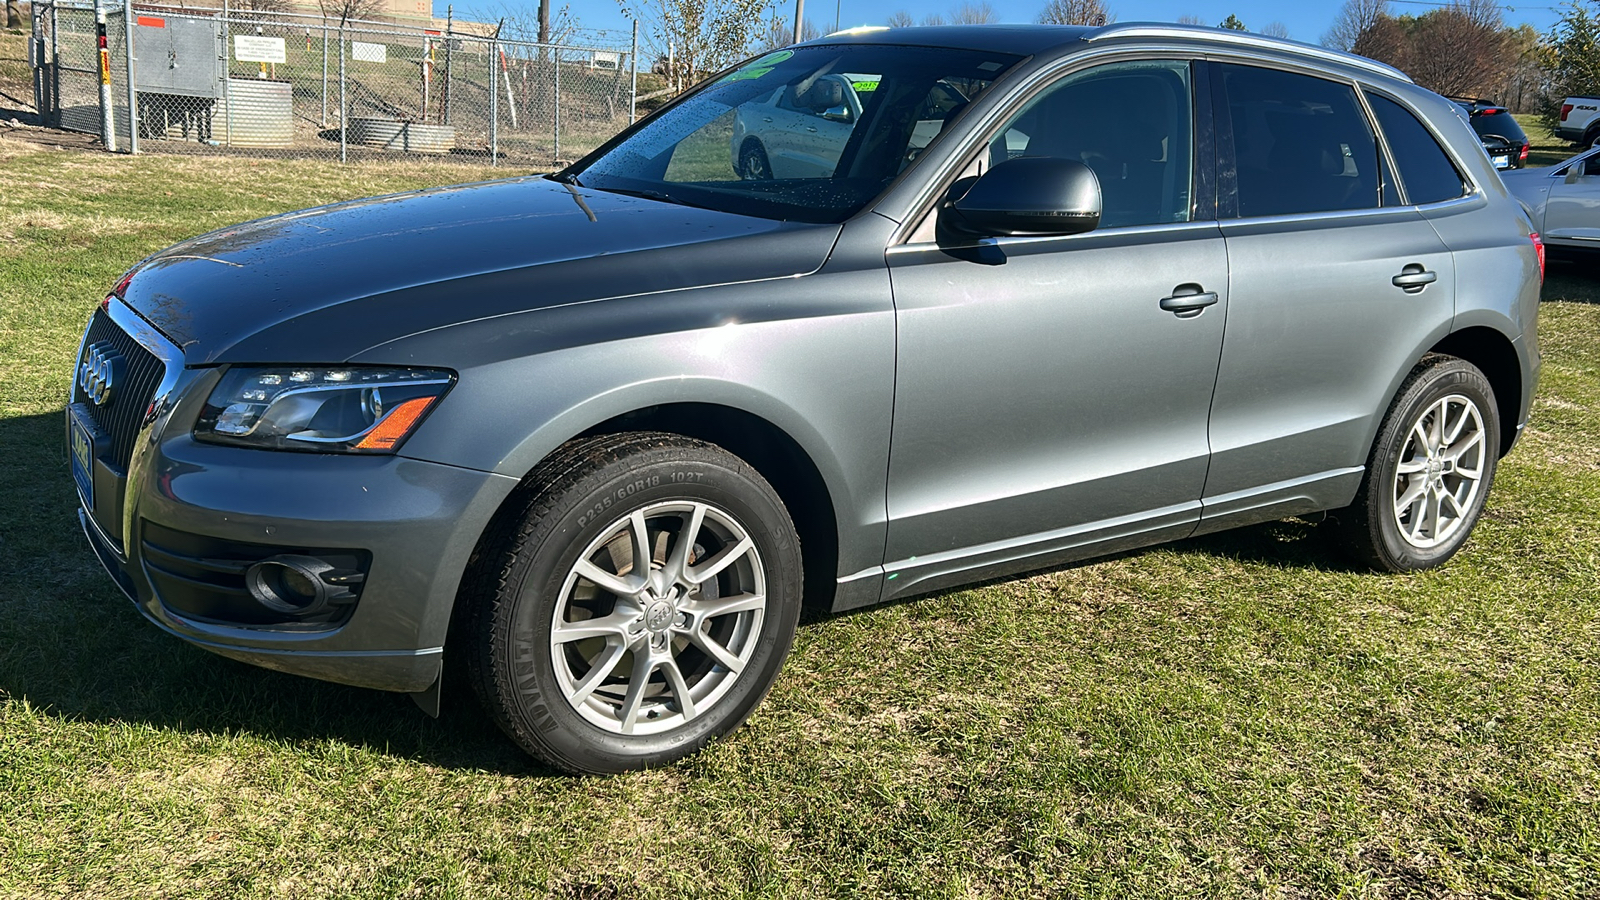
x: 1425, y: 169
x: 1300, y: 144
x: 1132, y: 123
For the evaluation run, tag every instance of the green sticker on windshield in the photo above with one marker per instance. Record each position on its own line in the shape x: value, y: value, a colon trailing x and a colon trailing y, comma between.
x: 758, y: 67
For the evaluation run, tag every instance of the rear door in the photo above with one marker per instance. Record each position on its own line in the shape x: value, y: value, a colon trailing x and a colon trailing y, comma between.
x: 1334, y: 290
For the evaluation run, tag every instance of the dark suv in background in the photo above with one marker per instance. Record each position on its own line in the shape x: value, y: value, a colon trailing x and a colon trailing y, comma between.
x: 1502, y: 137
x: 599, y: 435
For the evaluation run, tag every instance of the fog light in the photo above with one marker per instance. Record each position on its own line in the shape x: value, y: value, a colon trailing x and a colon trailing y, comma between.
x: 298, y: 585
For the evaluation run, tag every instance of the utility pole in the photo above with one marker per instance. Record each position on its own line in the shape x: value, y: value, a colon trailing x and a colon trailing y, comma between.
x: 799, y: 19
x: 544, y: 21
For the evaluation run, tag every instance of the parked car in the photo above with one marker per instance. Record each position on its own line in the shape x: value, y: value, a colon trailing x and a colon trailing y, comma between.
x: 1502, y: 137
x: 600, y: 435
x: 1580, y: 121
x: 1563, y: 200
x: 799, y: 131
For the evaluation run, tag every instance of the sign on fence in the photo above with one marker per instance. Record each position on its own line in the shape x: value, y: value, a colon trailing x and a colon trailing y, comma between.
x: 257, y: 49
x: 376, y: 53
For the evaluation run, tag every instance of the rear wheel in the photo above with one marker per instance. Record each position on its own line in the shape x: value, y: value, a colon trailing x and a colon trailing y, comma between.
x: 1429, y: 471
x: 753, y: 163
x: 644, y: 604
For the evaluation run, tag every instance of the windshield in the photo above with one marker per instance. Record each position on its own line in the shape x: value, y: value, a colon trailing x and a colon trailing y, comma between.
x: 811, y: 134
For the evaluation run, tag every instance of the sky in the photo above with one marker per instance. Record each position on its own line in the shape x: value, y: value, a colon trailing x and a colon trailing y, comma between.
x: 1306, y: 20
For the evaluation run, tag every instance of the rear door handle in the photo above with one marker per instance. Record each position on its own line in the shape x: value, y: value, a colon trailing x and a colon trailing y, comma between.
x: 1188, y: 300
x: 1413, y: 278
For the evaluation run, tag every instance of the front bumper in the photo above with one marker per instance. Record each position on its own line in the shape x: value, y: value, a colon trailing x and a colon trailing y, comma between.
x: 414, y: 523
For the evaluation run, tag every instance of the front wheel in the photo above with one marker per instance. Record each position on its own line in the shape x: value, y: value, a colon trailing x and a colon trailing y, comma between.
x: 1429, y: 471
x: 644, y: 605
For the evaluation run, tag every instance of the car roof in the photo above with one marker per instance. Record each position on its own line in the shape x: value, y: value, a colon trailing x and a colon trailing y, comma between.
x: 1021, y: 40
x: 1029, y: 40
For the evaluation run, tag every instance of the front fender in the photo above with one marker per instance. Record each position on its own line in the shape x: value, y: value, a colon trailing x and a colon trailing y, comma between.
x: 813, y: 356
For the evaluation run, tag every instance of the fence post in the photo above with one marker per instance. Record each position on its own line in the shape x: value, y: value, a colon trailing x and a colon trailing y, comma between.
x: 494, y: 100
x: 633, y: 91
x: 344, y: 123
x: 449, y: 51
x: 36, y: 57
x: 108, y: 125
x: 324, y: 73
x: 55, y: 65
x: 133, y: 91
x: 556, y: 57
x: 227, y: 78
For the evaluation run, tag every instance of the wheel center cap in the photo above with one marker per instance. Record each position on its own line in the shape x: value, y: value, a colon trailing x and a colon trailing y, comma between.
x: 658, y: 617
x: 1435, y: 468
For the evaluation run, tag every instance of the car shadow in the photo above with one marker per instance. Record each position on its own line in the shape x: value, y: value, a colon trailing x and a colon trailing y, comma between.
x: 1572, y: 276
x: 74, y: 647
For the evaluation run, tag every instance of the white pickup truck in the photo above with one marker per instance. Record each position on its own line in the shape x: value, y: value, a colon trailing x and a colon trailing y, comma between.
x: 1580, y: 120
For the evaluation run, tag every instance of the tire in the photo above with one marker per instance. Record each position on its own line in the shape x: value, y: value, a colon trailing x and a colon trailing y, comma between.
x: 1429, y: 471
x: 594, y: 667
x: 753, y: 163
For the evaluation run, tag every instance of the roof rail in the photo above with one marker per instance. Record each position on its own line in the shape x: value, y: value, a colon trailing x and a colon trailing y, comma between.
x: 1243, y: 39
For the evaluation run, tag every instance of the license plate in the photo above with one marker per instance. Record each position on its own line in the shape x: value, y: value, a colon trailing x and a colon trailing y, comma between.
x: 82, y: 446
x: 1500, y: 162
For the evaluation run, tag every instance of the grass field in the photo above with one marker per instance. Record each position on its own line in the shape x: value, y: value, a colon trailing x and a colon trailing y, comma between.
x: 1237, y: 716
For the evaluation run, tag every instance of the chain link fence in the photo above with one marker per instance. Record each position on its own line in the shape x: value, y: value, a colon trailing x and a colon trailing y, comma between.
x: 287, y: 84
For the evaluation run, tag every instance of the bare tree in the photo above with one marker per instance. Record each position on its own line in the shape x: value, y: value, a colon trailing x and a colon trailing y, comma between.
x: 933, y: 19
x: 343, y: 11
x: 1276, y: 29
x: 780, y: 33
x: 1354, y: 19
x: 13, y: 14
x: 970, y: 13
x: 516, y: 22
x: 900, y: 19
x: 1191, y: 20
x: 699, y: 36
x: 1461, y: 50
x: 1076, y: 12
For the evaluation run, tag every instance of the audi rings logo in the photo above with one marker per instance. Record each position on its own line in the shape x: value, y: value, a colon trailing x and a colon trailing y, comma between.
x: 99, y: 372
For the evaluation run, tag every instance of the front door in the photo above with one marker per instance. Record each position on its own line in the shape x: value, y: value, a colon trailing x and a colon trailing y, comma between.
x: 1046, y: 404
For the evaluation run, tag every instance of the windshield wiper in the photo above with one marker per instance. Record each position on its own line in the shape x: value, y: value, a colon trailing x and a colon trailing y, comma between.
x: 566, y: 179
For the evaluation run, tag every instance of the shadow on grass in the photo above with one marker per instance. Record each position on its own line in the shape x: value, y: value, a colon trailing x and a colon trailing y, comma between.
x: 72, y: 644
x: 1572, y: 275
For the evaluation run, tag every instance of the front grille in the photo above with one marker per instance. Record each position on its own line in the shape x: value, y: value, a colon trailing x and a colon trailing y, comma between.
x: 204, y: 577
x: 123, y: 413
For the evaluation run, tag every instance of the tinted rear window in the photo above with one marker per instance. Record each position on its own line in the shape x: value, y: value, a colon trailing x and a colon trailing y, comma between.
x: 1499, y: 124
x: 1425, y: 170
x: 1302, y: 144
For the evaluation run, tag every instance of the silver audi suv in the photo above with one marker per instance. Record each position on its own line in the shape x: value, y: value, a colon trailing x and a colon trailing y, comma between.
x: 1037, y: 294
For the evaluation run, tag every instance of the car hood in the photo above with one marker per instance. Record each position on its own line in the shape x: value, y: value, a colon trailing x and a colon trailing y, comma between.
x: 321, y: 285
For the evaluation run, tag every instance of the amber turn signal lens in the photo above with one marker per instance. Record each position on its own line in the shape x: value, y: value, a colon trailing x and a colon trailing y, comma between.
x: 396, y: 425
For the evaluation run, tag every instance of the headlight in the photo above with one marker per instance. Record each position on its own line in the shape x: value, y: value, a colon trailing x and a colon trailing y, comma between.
x: 324, y: 409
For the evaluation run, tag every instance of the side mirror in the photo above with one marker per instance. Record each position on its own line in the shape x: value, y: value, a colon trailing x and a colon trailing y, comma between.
x: 1033, y: 195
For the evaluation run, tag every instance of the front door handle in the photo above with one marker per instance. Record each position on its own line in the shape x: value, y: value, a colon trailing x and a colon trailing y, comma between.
x: 1188, y: 300
x: 1413, y: 278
